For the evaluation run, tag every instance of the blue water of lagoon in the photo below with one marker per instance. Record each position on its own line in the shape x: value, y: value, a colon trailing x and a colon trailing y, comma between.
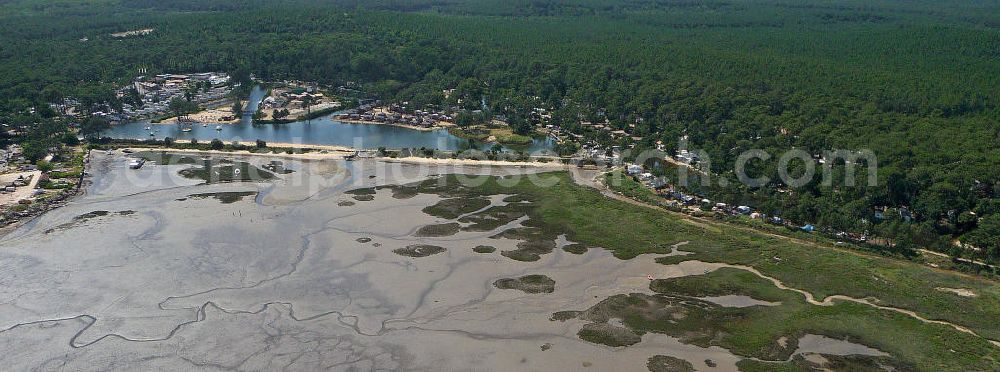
x: 325, y: 130
x: 321, y: 131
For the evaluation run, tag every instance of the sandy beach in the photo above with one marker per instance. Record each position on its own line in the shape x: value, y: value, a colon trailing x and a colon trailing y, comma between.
x: 211, y: 116
x: 331, y: 152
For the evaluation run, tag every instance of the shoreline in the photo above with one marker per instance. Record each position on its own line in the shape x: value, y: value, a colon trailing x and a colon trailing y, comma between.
x: 407, y: 126
x: 342, y: 152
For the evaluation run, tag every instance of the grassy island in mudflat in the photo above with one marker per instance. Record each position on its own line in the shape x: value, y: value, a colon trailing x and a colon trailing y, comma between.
x: 746, y: 266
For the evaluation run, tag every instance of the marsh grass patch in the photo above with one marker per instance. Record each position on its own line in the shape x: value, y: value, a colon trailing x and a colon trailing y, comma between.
x: 530, y: 251
x: 440, y: 230
x: 213, y: 171
x: 576, y: 248
x: 494, y: 217
x: 664, y: 363
x: 91, y: 215
x: 536, y: 241
x: 166, y: 158
x: 361, y: 191
x: 484, y: 249
x: 403, y: 192
x: 456, y: 207
x: 78, y: 220
x: 227, y: 197
x: 532, y: 284
x: 827, y: 362
x: 690, y: 320
x: 563, y: 316
x: 419, y: 250
x: 364, y: 197
x: 607, y: 334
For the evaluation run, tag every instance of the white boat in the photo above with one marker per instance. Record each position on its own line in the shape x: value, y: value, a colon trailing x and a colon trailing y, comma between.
x: 136, y: 163
x: 148, y: 128
x: 204, y: 125
x: 218, y: 127
x: 186, y: 129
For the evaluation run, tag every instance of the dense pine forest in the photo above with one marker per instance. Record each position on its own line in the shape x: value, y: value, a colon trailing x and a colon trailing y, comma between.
x: 916, y: 82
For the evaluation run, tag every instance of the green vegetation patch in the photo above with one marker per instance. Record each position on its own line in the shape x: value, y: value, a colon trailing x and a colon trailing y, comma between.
x: 536, y: 241
x: 575, y: 248
x: 691, y: 320
x: 91, y: 215
x: 533, y: 284
x: 826, y: 362
x: 167, y: 158
x: 771, y: 333
x: 664, y: 363
x: 439, y: 230
x: 563, y: 316
x: 590, y: 218
x: 361, y: 191
x: 456, y: 207
x: 79, y: 220
x: 419, y: 250
x: 212, y: 171
x: 723, y: 282
x: 402, y: 192
x: 514, y: 139
x: 607, y: 334
x: 364, y: 197
x: 484, y: 249
x: 225, y: 197
x: 530, y: 251
x: 495, y: 217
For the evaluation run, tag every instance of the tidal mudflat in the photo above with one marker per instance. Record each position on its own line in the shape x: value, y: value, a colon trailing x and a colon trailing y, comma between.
x: 365, y: 265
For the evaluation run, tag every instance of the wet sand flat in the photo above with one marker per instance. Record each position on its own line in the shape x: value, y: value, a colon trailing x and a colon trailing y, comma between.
x: 151, y: 270
x: 285, y: 276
